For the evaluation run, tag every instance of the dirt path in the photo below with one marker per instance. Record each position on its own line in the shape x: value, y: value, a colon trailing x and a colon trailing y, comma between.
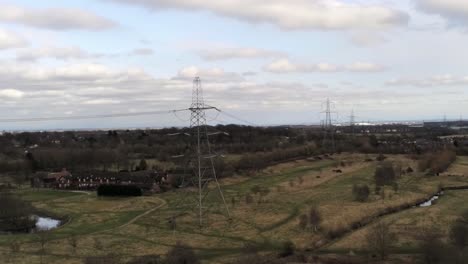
x: 163, y: 203
x: 133, y: 220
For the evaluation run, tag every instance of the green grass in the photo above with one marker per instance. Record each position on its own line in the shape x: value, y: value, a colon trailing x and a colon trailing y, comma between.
x: 265, y: 224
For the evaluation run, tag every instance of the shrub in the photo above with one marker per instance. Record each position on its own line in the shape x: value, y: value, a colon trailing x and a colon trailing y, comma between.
x: 436, y: 163
x: 377, y: 189
x: 287, y: 249
x: 432, y: 248
x: 102, y: 259
x: 148, y: 259
x: 248, y: 198
x: 315, y: 218
x: 303, y: 221
x: 119, y: 190
x: 380, y: 157
x: 384, y: 174
x: 459, y: 234
x: 15, y: 213
x: 361, y: 192
x: 181, y: 254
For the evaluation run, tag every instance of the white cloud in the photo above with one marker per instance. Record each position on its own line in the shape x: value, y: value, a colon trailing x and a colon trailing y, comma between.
x: 212, y: 74
x: 454, y: 11
x: 54, y: 18
x: 437, y: 80
x: 61, y: 53
x: 53, y: 77
x: 100, y: 102
x: 73, y: 53
x: 286, y: 66
x: 9, y: 40
x: 11, y: 94
x: 292, y: 14
x: 365, y: 67
x: 238, y: 53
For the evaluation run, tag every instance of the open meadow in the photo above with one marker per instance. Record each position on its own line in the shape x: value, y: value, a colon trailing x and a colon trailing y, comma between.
x: 265, y: 209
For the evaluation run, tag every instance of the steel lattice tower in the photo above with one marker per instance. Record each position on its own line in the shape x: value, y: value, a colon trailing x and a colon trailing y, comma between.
x: 352, y: 121
x: 328, y: 129
x: 202, y: 157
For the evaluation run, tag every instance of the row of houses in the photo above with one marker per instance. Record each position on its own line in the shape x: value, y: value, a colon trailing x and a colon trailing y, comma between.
x: 148, y: 180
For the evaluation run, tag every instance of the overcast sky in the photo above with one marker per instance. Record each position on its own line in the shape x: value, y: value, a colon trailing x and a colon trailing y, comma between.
x: 266, y: 61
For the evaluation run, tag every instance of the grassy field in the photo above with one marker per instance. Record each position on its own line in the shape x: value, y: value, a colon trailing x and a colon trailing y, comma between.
x: 139, y: 226
x: 410, y: 224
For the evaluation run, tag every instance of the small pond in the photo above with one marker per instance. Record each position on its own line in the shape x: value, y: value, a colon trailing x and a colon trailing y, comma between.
x: 46, y: 223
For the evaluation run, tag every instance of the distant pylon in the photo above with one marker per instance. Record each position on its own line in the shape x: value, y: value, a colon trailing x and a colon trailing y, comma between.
x: 202, y: 157
x: 352, y: 121
x: 328, y: 129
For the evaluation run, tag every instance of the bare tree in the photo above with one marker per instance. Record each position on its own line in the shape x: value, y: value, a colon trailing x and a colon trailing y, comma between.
x: 315, y: 218
x: 300, y: 179
x: 15, y: 247
x: 43, y: 239
x: 303, y: 221
x: 380, y: 239
x: 73, y: 241
x: 98, y: 244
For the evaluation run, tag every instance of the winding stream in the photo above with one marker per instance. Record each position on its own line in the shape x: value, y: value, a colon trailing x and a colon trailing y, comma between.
x: 432, y: 200
x: 364, y: 222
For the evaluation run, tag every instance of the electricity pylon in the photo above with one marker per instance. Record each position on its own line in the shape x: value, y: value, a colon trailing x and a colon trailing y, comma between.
x: 328, y: 129
x: 352, y: 121
x: 202, y: 158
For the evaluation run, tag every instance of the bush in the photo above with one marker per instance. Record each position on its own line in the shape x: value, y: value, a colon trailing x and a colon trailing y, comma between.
x: 380, y: 157
x: 148, y: 259
x: 459, y: 234
x: 436, y: 163
x: 181, y: 254
x: 102, y: 260
x: 287, y: 249
x: 432, y: 248
x: 315, y: 218
x: 15, y: 213
x: 384, y: 174
x: 361, y: 192
x: 119, y: 190
x: 303, y: 221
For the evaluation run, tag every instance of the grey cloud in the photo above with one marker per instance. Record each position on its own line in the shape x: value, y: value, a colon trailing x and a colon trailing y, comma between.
x: 73, y: 53
x: 286, y: 66
x: 11, y: 40
x: 439, y: 80
x: 61, y: 53
x: 291, y: 15
x: 238, y: 53
x: 455, y: 12
x: 212, y: 74
x: 90, y: 89
x: 54, y: 18
x: 142, y: 52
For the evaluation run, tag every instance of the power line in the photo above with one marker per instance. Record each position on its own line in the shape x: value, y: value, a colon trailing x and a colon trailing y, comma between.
x: 82, y: 117
x: 236, y: 118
